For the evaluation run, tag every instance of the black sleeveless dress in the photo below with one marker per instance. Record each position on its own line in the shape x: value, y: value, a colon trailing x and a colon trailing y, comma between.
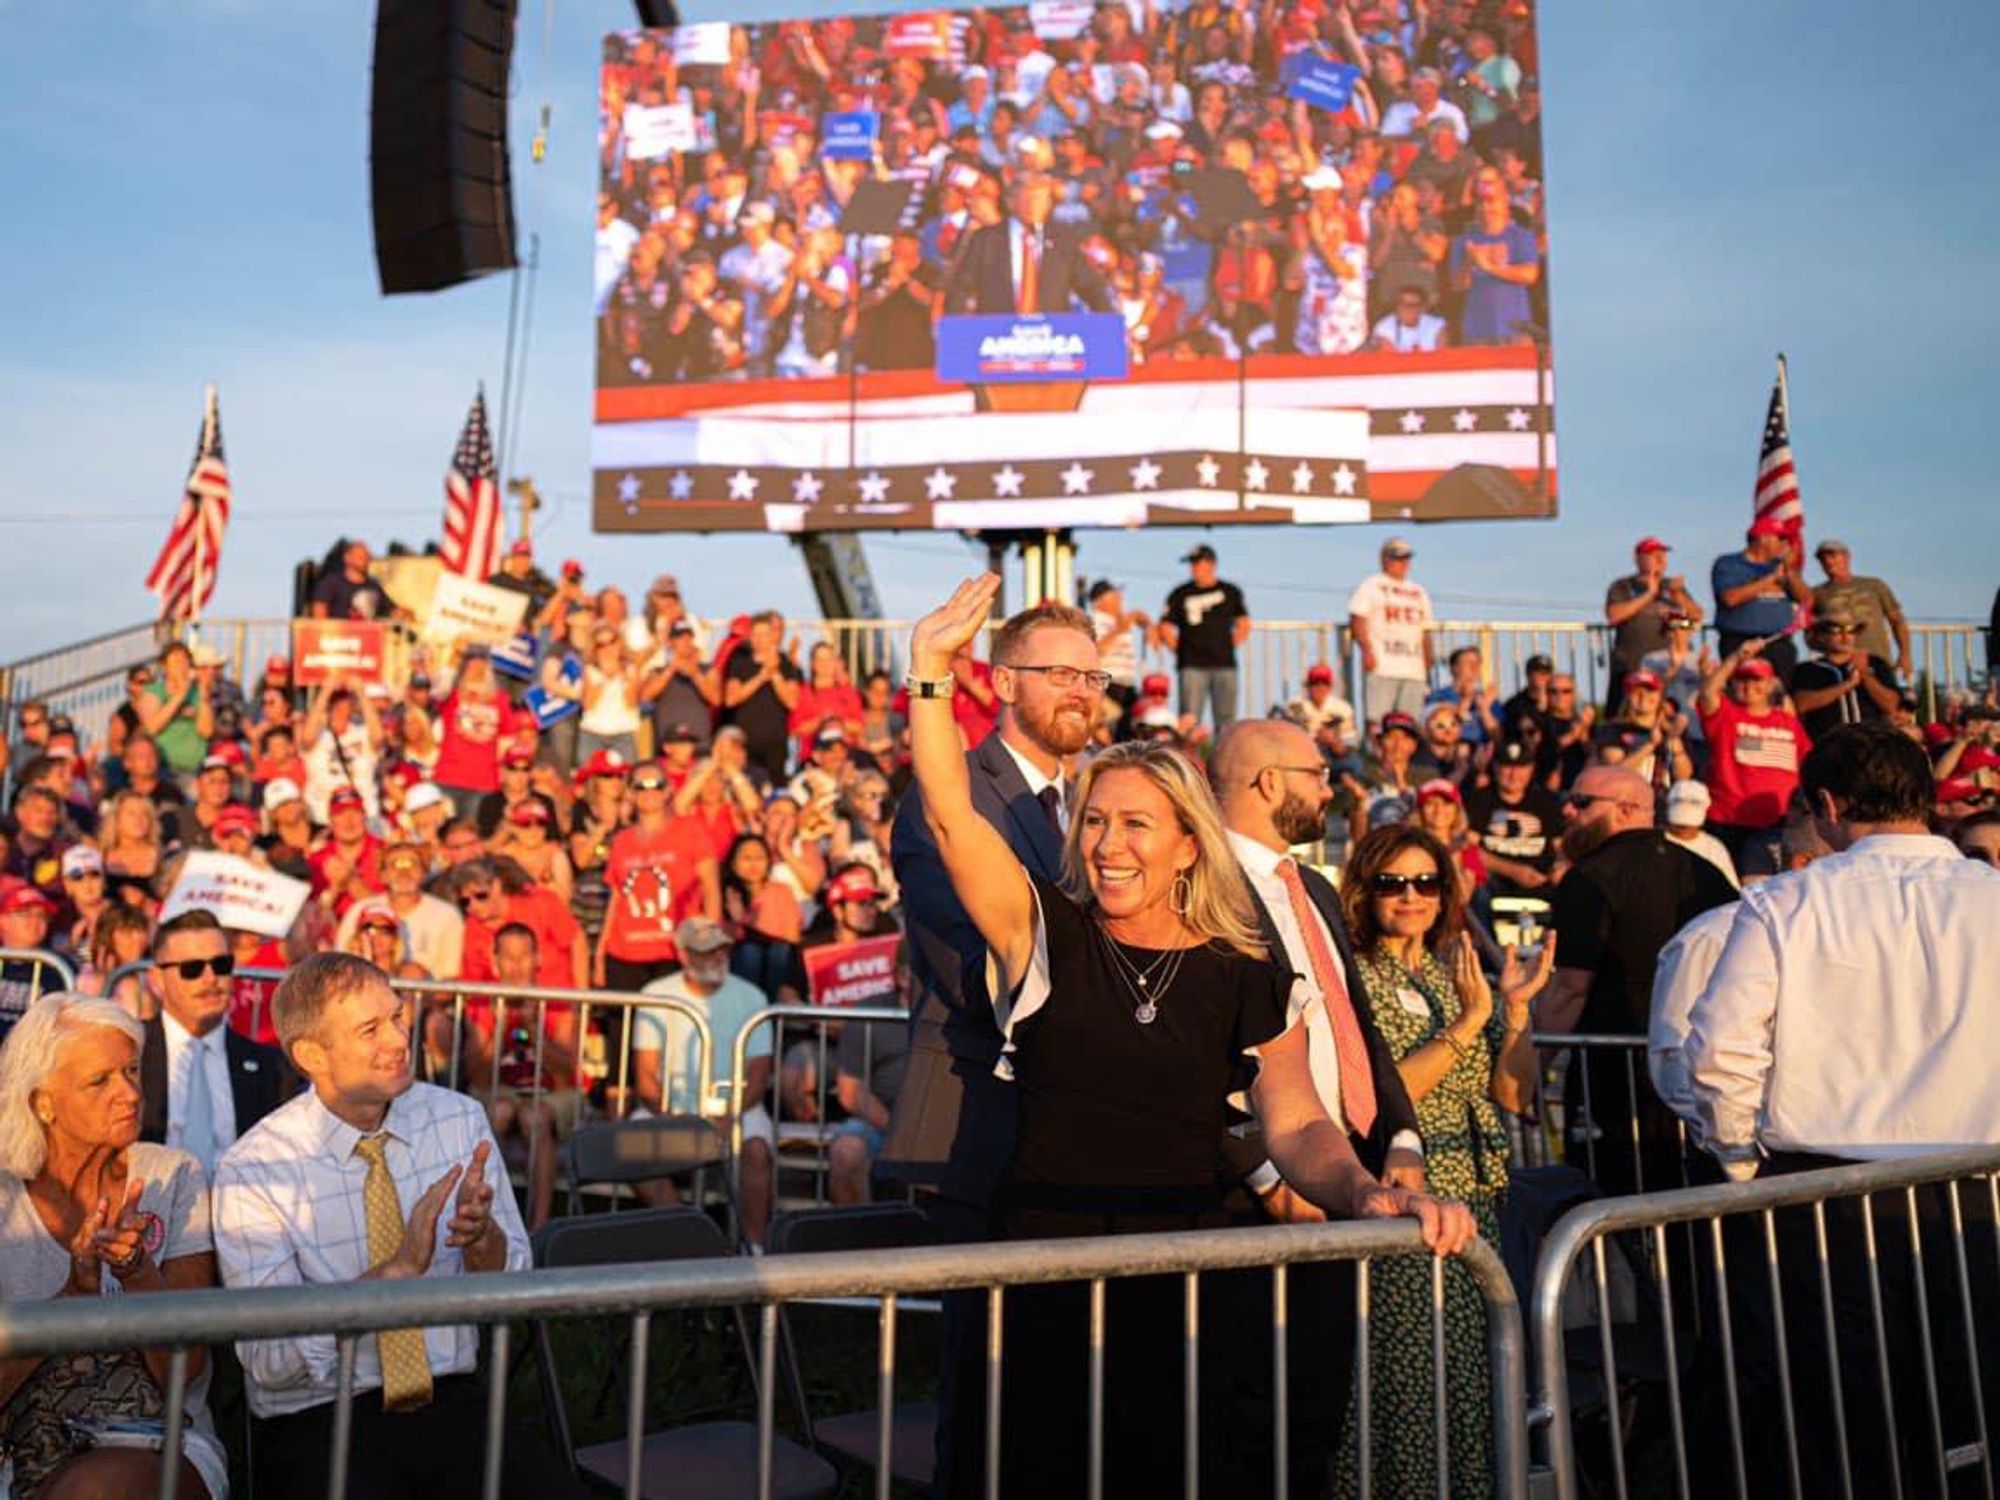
x: 1121, y: 1126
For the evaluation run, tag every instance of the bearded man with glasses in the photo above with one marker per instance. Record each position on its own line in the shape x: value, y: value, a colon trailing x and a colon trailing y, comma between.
x: 203, y: 1085
x: 1629, y: 889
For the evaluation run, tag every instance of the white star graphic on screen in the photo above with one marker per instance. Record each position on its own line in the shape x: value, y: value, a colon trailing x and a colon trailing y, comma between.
x: 1413, y: 421
x: 874, y: 487
x: 1255, y: 475
x: 743, y: 485
x: 628, y: 488
x: 940, y: 484
x: 681, y: 486
x: 1145, y: 475
x: 1517, y: 420
x: 1076, y: 479
x: 1007, y: 482
x: 1464, y: 420
x: 1343, y: 480
x: 1302, y: 478
x: 1208, y: 471
x: 806, y: 487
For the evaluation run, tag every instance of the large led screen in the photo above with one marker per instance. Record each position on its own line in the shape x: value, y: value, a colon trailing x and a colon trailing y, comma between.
x: 1133, y: 262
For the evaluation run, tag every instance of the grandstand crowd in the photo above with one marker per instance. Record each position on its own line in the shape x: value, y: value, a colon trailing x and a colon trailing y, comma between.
x: 690, y: 808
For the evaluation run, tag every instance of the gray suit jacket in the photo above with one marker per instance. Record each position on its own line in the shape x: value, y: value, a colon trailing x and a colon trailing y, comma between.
x: 953, y: 1124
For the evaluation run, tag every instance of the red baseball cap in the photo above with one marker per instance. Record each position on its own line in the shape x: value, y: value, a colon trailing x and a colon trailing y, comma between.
x: 235, y: 819
x: 603, y: 763
x: 1756, y: 666
x: 1403, y: 722
x: 19, y: 896
x: 224, y: 755
x: 345, y: 798
x: 1436, y: 787
x: 1320, y: 673
x: 1768, y: 526
x: 572, y: 568
x: 532, y: 811
x: 1156, y: 685
x: 517, y: 758
x: 1651, y: 544
x: 854, y: 885
x: 522, y: 548
x: 278, y: 666
x: 1645, y: 679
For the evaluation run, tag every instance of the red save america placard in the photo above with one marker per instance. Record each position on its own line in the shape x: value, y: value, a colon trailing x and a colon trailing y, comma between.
x: 844, y: 974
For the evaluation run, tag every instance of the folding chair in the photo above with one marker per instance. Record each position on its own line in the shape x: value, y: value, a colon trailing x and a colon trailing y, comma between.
x: 852, y: 1435
x: 632, y: 1151
x: 699, y: 1459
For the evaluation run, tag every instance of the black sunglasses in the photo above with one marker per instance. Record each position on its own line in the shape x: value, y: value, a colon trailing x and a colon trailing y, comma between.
x: 1390, y: 884
x: 468, y: 899
x: 221, y: 966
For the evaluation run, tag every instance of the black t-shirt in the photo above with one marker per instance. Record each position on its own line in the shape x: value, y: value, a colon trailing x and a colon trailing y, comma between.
x: 762, y: 716
x: 1852, y: 707
x: 681, y: 702
x: 1524, y: 832
x: 877, y: 1053
x: 365, y: 600
x: 1614, y: 913
x: 1206, y: 619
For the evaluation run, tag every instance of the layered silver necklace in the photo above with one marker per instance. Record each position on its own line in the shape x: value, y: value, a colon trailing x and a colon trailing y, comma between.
x: 1147, y: 984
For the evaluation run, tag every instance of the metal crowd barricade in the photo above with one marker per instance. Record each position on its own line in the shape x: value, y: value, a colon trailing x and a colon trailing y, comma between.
x: 44, y: 964
x: 1568, y: 1108
x: 184, y: 1320
x: 1586, y: 1231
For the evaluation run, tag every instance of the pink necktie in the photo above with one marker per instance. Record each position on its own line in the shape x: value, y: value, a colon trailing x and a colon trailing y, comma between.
x: 1357, y: 1079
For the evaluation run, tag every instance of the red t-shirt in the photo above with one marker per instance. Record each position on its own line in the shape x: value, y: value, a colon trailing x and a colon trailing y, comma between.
x: 974, y: 720
x: 517, y: 1052
x: 654, y: 882
x: 1753, y: 764
x: 469, y: 741
x: 720, y: 825
x: 367, y: 867
x: 542, y: 911
x: 841, y: 703
x: 250, y: 999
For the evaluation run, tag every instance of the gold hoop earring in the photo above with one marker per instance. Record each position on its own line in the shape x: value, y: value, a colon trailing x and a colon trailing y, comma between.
x: 1180, y: 895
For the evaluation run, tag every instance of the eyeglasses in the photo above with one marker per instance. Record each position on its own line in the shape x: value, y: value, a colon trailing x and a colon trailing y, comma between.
x: 1062, y: 679
x: 469, y: 899
x: 652, y: 784
x: 1581, y: 800
x: 86, y: 875
x: 221, y: 966
x: 1388, y: 883
x: 1321, y: 773
x: 1837, y: 630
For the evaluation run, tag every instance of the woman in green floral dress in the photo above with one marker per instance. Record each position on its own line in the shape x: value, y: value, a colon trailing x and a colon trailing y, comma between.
x: 1462, y: 1065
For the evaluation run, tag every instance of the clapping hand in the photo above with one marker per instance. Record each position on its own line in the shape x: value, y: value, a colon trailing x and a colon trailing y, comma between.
x: 472, y: 1212
x: 953, y: 625
x: 1475, y: 995
x: 109, y: 1239
x: 413, y: 1256
x: 1519, y: 984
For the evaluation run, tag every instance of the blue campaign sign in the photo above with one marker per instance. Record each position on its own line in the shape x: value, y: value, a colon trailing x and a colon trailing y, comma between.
x: 1319, y: 81
x: 547, y: 707
x: 518, y: 657
x: 988, y: 349
x: 849, y: 135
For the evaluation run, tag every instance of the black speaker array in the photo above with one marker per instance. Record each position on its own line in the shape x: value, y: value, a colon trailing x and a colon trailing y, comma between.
x: 437, y: 142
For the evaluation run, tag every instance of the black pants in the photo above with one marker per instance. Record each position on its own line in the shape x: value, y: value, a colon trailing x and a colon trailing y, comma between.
x: 434, y: 1453
x: 961, y: 1429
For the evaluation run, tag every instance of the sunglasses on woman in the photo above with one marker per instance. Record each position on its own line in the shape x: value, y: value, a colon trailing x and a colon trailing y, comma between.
x: 1389, y: 884
x: 221, y: 967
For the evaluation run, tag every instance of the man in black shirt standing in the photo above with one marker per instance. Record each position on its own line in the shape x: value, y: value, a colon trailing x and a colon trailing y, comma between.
x: 759, y: 688
x: 1517, y: 821
x: 1204, y: 622
x: 349, y: 593
x: 1843, y: 684
x: 1630, y: 888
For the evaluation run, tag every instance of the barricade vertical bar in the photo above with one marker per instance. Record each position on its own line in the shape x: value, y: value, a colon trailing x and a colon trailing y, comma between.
x: 175, y: 1416
x: 1832, y: 1350
x: 635, y: 1401
x: 1440, y: 1412
x: 885, y: 1399
x: 343, y: 1421
x: 1727, y: 1324
x: 1921, y: 1288
x: 1632, y: 1099
x: 767, y: 1395
x: 1774, y: 1281
x: 1281, y: 1396
x: 457, y: 1040
x: 1096, y: 1460
x: 538, y: 1098
x: 1363, y: 1384
x: 1581, y: 1058
x: 1666, y: 1290
x: 496, y: 1413
x: 1610, y: 1364
x: 1882, y: 1346
x: 994, y: 1352
x: 1971, y: 1338
x: 1191, y: 1386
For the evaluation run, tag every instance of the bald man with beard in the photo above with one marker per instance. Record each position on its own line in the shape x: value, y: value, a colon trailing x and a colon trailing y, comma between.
x: 1629, y: 889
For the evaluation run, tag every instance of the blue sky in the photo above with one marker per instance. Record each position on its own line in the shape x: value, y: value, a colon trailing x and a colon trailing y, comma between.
x: 186, y: 183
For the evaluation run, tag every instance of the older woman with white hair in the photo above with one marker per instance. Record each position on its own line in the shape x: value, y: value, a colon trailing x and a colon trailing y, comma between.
x: 87, y: 1209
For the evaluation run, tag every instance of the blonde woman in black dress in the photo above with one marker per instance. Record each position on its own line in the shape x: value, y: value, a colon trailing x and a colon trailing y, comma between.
x: 1141, y: 1015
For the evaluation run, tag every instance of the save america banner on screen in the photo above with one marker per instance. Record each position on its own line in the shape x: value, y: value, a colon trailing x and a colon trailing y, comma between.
x: 1071, y: 265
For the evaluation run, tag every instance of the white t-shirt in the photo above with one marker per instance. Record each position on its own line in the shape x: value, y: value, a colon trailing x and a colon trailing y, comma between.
x: 657, y: 1028
x: 1397, y: 613
x: 325, y: 774
x: 433, y: 933
x: 1116, y: 652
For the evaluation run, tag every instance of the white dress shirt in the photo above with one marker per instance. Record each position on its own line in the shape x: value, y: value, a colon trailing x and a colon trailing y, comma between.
x: 1037, y: 778
x: 1853, y: 1010
x: 288, y: 1212
x: 1260, y: 866
x: 187, y: 1054
x: 1686, y: 964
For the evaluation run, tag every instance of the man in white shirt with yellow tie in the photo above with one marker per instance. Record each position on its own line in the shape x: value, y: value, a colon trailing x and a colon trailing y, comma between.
x: 1274, y: 789
x: 353, y: 1181
x: 1852, y: 1017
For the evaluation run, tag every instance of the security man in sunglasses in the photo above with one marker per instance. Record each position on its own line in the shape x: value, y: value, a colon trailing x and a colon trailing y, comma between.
x: 203, y: 1085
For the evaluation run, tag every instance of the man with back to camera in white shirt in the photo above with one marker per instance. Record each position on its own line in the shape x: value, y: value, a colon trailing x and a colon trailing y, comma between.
x: 347, y: 1182
x: 1687, y: 810
x: 1851, y: 1017
x: 1390, y: 617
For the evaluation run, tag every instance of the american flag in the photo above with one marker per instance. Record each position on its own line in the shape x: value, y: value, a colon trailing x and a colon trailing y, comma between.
x: 472, y: 518
x: 1777, y: 479
x: 183, y: 575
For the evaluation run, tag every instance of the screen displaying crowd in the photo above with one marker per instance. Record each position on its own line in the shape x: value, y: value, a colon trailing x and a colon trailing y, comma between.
x: 1250, y: 177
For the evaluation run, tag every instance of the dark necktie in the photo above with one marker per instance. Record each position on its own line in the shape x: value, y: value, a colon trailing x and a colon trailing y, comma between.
x: 1051, y: 799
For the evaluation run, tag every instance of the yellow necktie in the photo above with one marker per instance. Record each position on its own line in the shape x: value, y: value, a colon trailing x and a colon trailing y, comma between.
x: 406, y: 1367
